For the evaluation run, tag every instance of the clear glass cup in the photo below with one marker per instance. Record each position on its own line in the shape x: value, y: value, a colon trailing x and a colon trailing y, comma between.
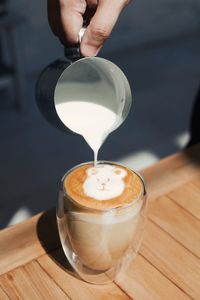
x: 99, y: 244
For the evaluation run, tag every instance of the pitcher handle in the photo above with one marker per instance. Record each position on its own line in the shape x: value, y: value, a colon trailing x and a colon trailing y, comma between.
x: 72, y: 52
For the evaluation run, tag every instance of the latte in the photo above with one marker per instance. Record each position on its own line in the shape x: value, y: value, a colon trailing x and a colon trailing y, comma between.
x: 102, y: 210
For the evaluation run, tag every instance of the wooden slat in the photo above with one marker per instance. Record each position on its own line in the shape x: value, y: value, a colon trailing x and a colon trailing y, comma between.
x: 143, y: 281
x: 30, y: 282
x: 172, y: 172
x: 75, y: 288
x: 3, y: 295
x: 181, y: 225
x: 188, y: 197
x: 172, y: 260
x: 21, y: 243
x: 197, y: 182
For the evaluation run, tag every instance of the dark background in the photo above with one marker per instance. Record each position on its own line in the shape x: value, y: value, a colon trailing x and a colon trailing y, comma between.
x: 157, y: 45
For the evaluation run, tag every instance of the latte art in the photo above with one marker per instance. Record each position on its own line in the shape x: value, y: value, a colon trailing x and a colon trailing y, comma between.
x: 104, y: 182
x: 104, y: 186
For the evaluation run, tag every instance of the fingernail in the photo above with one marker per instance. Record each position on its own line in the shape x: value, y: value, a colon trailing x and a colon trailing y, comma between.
x: 89, y: 50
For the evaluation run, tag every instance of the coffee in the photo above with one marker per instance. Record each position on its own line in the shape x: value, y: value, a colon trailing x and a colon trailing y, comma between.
x: 102, y: 211
x: 104, y: 186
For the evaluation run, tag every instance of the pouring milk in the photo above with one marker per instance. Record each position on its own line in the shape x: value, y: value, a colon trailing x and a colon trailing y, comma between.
x: 91, y: 120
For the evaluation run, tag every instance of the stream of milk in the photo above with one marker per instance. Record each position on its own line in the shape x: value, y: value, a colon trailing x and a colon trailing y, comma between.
x: 91, y: 120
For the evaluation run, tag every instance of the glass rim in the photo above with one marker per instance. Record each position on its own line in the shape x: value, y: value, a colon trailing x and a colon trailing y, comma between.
x: 132, y: 203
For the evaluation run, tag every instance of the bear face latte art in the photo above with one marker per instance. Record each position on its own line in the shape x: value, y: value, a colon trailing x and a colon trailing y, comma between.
x: 104, y: 182
x: 103, y: 186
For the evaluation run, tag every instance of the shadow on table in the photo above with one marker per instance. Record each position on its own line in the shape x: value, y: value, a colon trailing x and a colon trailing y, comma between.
x: 48, y: 236
x: 192, y: 154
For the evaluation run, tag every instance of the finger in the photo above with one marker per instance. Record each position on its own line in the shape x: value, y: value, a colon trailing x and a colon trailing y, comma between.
x: 71, y: 16
x: 101, y: 26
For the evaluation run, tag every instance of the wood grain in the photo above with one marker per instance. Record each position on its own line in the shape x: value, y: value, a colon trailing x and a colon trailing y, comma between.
x: 172, y: 260
x: 26, y: 241
x: 143, y: 281
x: 180, y: 224
x: 75, y: 288
x: 172, y: 172
x: 197, y: 182
x: 3, y: 295
x: 30, y: 282
x: 188, y: 197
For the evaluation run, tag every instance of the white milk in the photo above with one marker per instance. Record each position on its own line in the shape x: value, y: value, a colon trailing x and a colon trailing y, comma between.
x: 93, y: 121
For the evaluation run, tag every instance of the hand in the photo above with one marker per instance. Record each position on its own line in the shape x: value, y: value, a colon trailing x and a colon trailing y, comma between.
x: 66, y: 18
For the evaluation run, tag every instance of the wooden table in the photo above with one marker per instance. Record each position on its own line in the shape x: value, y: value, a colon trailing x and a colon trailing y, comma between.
x: 32, y: 264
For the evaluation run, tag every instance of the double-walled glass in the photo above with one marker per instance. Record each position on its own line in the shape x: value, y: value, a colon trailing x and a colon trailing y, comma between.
x: 100, y: 243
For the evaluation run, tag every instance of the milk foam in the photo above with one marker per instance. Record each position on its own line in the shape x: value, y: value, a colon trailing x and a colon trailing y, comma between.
x: 93, y: 121
x: 104, y: 182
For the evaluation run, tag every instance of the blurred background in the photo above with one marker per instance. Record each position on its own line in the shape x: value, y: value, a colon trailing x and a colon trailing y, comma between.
x: 156, y: 43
